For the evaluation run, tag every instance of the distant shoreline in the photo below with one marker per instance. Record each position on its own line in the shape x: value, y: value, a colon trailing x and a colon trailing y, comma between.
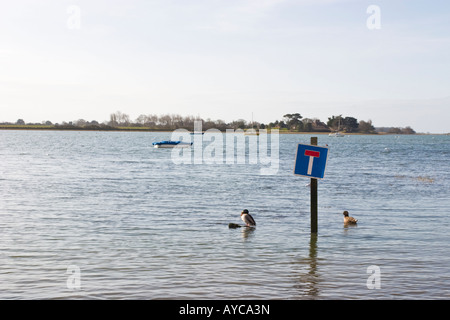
x: 53, y: 128
x: 146, y: 129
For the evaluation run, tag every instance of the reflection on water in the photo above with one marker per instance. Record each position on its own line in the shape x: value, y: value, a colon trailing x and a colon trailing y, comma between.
x: 313, y: 290
x: 348, y: 226
x: 247, y: 232
x: 307, y: 283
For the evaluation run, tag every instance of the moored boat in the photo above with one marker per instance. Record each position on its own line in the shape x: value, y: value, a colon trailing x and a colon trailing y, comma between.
x: 336, y: 134
x: 171, y: 144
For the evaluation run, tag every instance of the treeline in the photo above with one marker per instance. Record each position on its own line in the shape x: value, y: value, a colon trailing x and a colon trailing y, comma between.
x: 396, y: 130
x: 289, y: 122
x: 295, y: 122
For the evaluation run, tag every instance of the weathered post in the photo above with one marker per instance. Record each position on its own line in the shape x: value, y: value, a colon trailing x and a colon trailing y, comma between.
x: 314, y: 196
x: 311, y: 161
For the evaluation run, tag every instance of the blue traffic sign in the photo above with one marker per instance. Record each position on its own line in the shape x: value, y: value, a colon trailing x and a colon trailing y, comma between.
x: 311, y: 161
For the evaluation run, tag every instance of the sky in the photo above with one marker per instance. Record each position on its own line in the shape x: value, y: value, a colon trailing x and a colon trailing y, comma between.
x: 385, y: 61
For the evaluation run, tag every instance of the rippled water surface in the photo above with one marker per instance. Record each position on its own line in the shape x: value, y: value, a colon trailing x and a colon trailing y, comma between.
x: 136, y: 225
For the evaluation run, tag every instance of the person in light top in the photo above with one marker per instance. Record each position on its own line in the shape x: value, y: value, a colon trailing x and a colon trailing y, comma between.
x: 349, y: 220
x: 247, y: 218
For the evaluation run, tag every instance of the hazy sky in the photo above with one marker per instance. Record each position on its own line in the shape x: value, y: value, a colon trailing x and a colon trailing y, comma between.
x: 224, y: 59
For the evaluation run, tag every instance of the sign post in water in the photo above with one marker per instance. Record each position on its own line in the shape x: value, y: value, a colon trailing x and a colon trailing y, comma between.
x: 311, y: 162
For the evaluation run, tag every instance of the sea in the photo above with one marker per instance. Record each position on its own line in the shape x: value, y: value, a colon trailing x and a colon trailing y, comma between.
x: 104, y: 215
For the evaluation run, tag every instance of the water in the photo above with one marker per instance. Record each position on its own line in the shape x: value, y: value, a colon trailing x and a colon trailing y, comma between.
x: 139, y: 226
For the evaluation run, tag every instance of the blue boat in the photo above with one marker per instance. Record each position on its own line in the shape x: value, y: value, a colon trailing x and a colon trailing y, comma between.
x: 172, y: 144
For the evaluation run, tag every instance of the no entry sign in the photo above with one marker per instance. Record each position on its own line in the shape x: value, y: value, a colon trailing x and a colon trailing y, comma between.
x: 311, y: 161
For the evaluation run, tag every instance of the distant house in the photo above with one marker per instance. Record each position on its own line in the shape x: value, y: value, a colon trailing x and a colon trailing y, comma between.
x: 319, y: 126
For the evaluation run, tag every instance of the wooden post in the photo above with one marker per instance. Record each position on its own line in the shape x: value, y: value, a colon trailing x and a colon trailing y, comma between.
x: 314, y: 197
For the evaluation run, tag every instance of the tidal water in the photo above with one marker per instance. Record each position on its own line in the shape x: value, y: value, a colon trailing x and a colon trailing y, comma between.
x: 103, y: 215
